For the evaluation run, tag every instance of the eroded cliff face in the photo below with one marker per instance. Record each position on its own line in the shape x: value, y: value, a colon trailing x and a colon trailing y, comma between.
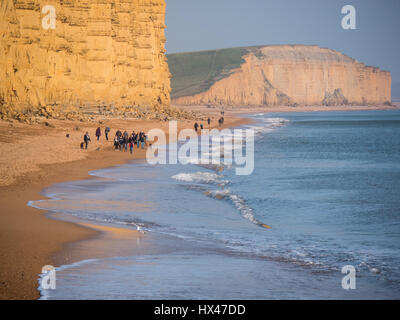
x: 290, y: 75
x: 108, y: 52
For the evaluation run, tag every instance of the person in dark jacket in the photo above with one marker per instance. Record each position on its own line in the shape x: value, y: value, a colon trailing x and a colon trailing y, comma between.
x: 125, y: 140
x: 116, y: 142
x: 98, y: 133
x: 86, y: 139
x: 143, y: 139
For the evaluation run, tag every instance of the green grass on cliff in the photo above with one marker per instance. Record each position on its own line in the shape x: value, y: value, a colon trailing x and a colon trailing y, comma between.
x: 195, y: 72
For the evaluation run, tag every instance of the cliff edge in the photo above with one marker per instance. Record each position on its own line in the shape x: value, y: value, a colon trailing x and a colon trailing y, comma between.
x: 101, y: 52
x: 275, y: 75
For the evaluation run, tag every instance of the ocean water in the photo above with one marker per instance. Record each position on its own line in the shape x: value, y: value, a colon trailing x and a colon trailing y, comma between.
x: 327, y: 183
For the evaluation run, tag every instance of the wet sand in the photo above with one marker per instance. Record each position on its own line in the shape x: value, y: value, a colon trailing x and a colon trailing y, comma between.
x: 35, y: 157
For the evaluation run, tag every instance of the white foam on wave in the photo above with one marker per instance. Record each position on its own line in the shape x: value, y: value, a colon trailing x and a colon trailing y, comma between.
x: 45, y: 294
x: 239, y: 203
x: 268, y: 125
x: 276, y: 121
x: 201, y: 177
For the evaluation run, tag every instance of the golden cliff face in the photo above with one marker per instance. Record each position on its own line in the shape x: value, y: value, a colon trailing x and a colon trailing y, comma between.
x: 108, y: 52
x: 290, y: 75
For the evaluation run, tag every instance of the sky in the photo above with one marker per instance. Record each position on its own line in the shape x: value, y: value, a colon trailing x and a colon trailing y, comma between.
x: 194, y: 25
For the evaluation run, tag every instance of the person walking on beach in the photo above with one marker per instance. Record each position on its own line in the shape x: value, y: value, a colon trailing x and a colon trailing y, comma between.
x: 121, y: 142
x: 196, y: 126
x: 107, y: 131
x: 125, y: 139
x: 201, y: 126
x: 125, y: 144
x: 208, y: 121
x: 143, y: 140
x: 98, y: 133
x: 138, y: 138
x: 131, y: 147
x: 134, y: 137
x: 116, y: 142
x: 86, y: 139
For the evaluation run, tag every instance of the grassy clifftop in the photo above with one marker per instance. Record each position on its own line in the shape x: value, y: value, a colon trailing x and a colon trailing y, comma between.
x: 195, y: 72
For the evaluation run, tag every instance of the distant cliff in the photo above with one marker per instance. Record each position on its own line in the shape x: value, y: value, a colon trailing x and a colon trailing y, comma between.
x: 275, y: 75
x: 108, y: 52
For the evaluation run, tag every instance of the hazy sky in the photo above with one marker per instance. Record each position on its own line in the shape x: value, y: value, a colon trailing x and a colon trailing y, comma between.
x: 210, y: 24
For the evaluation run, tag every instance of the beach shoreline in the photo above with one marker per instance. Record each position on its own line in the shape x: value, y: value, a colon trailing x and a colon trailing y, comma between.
x: 234, y: 110
x: 29, y: 238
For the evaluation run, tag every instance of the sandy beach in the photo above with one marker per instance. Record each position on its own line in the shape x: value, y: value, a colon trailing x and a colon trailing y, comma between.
x: 40, y: 155
x: 295, y: 200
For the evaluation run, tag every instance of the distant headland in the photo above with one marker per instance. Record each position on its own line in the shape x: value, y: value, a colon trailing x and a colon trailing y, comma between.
x: 287, y: 75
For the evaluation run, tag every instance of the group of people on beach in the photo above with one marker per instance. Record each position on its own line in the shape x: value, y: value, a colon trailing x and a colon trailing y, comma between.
x: 121, y: 140
x: 221, y: 120
x: 196, y: 125
x: 220, y: 123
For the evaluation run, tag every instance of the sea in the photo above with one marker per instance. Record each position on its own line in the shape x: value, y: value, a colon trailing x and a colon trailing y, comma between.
x: 326, y: 183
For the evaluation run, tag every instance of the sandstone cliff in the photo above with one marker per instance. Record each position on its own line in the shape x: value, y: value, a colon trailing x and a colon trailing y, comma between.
x: 286, y: 75
x: 102, y: 52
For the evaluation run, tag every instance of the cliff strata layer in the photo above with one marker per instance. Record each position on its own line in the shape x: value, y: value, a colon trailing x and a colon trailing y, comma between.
x: 101, y: 52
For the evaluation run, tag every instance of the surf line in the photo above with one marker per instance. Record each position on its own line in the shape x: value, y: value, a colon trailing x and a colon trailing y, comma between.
x: 193, y: 151
x: 239, y: 203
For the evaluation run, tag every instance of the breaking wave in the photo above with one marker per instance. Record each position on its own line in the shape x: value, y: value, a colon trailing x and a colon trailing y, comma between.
x: 201, y: 177
x: 239, y: 203
x: 268, y: 125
